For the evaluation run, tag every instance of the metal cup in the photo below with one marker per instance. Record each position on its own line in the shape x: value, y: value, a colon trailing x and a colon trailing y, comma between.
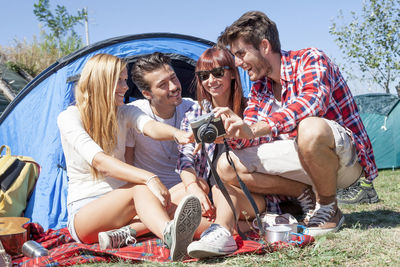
x: 292, y: 226
x: 277, y: 233
x: 33, y: 249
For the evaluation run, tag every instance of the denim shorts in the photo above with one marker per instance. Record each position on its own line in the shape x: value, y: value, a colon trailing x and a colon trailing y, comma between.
x: 280, y: 157
x: 73, y: 208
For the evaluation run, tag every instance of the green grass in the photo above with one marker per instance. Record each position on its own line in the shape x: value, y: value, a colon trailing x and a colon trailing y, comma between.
x: 369, y: 237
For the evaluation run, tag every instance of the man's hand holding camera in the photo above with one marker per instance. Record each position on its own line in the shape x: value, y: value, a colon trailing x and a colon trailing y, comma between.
x: 235, y: 127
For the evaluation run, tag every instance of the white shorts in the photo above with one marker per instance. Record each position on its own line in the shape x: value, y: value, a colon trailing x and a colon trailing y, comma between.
x: 281, y: 158
x: 72, y: 209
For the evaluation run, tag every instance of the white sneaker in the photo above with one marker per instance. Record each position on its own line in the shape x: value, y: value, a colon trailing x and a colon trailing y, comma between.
x: 117, y: 238
x: 215, y: 241
x: 179, y: 232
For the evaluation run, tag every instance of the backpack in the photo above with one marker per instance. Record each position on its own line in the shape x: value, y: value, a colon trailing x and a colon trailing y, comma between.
x: 18, y: 176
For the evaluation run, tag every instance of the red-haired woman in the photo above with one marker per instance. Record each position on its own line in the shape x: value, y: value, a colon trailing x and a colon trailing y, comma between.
x: 218, y: 85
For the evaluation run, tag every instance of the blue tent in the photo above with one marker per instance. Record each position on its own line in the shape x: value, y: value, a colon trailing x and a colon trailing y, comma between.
x: 28, y: 125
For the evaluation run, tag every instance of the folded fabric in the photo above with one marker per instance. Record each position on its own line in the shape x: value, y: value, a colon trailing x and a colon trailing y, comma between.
x: 64, y: 251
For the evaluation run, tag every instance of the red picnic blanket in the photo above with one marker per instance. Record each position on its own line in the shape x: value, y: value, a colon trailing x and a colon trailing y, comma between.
x: 64, y: 251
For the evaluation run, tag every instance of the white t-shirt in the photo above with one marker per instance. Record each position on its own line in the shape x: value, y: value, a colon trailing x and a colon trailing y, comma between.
x: 159, y: 157
x: 80, y: 149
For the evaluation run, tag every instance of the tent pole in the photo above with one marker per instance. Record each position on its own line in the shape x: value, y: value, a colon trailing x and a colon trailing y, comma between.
x: 6, y: 91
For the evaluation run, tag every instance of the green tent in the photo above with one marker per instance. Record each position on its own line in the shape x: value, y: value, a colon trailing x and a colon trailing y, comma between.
x: 11, y: 83
x: 381, y: 116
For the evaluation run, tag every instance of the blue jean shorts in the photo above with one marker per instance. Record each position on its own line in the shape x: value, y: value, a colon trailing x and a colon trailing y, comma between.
x: 73, y: 208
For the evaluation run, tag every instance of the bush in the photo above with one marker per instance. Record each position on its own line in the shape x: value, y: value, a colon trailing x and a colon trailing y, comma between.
x: 31, y: 57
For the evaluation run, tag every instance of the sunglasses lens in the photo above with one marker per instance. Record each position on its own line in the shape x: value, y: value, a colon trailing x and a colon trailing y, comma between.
x: 203, y: 75
x: 218, y: 72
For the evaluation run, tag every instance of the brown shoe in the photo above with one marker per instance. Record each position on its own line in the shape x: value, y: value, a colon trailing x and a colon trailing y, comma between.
x: 307, y: 203
x: 325, y: 219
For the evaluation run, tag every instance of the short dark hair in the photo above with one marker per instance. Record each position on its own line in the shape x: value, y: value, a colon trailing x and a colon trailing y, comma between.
x: 253, y: 27
x: 145, y: 64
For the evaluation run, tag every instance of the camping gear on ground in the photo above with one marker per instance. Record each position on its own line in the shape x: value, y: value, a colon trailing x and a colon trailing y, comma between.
x: 270, y: 219
x: 283, y: 233
x: 63, y: 250
x: 13, y: 234
x: 51, y: 92
x: 33, y: 249
x: 5, y: 259
x: 18, y: 175
x: 277, y: 233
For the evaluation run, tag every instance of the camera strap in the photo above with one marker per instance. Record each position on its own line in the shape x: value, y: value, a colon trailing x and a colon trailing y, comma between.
x: 244, y: 188
x: 222, y: 187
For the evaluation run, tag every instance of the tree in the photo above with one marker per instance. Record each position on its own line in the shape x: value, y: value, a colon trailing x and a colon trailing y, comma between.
x: 62, y: 35
x: 372, y: 41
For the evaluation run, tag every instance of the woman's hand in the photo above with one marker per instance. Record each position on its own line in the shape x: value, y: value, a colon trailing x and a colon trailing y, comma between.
x: 160, y: 191
x: 207, y: 208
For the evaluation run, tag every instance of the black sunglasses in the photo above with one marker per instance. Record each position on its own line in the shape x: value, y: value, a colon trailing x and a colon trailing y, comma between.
x: 216, y: 72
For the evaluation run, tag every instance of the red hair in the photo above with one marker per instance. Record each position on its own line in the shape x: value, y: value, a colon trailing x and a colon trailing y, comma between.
x: 212, y: 58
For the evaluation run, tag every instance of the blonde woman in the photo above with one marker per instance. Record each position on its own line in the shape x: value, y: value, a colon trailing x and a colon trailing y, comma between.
x: 104, y: 193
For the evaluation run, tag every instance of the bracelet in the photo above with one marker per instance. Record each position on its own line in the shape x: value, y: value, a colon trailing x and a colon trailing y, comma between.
x: 150, y: 178
x: 192, y: 182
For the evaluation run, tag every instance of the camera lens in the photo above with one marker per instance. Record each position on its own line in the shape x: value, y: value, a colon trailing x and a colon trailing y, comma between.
x: 207, y: 134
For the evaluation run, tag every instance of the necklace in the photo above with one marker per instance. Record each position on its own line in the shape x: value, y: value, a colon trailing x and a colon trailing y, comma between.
x: 172, y: 144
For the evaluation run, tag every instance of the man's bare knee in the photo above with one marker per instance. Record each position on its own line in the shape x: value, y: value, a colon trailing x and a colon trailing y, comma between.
x: 314, y: 134
x: 225, y: 170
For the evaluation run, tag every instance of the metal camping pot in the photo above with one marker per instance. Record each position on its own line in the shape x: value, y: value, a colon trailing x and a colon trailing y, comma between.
x: 277, y: 233
x: 292, y: 226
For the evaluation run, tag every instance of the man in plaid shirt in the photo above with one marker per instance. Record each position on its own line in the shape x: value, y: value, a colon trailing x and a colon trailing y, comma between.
x: 301, y: 101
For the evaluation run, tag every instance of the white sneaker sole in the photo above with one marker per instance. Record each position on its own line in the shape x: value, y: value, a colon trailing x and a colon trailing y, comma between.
x: 316, y: 231
x: 186, y: 220
x: 197, y: 250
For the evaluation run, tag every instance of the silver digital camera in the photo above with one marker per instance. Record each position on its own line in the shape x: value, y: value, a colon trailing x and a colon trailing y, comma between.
x: 207, y: 128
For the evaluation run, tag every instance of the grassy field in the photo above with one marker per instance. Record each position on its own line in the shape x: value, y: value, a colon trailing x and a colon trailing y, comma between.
x: 370, y: 237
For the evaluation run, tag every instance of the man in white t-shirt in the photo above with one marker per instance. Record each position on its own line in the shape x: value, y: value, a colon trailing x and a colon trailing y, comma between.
x: 157, y: 81
x: 158, y: 156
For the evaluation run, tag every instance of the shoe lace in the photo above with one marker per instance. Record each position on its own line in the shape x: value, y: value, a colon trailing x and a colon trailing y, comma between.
x: 351, y: 192
x: 306, y: 202
x: 322, y: 214
x: 121, y: 236
x: 212, y: 233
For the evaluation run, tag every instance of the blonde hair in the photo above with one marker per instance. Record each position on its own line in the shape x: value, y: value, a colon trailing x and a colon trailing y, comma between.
x: 95, y: 100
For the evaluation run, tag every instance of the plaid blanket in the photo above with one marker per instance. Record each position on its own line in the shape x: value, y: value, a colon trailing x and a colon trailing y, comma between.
x: 64, y: 251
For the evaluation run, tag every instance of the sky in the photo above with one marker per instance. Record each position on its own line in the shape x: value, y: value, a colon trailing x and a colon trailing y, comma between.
x: 301, y: 23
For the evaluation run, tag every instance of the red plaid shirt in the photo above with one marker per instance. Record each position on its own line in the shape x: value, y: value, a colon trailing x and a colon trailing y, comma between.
x: 311, y: 86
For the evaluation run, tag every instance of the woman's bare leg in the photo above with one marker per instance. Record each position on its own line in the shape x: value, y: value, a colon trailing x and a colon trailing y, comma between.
x: 244, y: 210
x: 117, y: 209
